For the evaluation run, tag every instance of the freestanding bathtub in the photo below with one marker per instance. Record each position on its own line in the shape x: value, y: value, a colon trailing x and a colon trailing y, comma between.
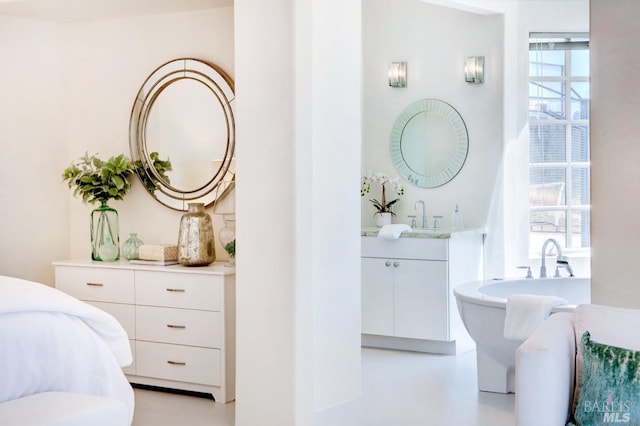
x: 482, y: 307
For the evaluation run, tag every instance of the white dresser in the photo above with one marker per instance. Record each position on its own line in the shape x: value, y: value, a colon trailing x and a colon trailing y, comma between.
x: 407, y: 289
x: 180, y: 320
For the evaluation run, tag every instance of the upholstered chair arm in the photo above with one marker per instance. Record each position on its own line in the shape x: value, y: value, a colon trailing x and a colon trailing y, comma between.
x: 545, y: 365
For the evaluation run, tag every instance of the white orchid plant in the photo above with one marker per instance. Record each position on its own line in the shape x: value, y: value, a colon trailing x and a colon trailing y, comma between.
x: 382, y: 205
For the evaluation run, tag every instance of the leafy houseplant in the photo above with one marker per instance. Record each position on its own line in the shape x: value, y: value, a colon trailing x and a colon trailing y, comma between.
x: 96, y: 180
x: 230, y: 248
x: 382, y: 205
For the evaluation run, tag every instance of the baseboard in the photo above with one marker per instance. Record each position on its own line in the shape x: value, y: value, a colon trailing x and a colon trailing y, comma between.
x: 414, y: 345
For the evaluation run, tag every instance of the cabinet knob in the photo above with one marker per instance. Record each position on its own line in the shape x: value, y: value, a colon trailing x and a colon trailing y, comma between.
x: 176, y: 290
x: 176, y: 326
x: 176, y: 363
x: 387, y: 263
x: 396, y: 264
x: 95, y: 284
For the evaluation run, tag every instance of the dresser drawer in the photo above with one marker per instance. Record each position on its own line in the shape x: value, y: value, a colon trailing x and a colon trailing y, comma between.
x: 125, y: 314
x: 96, y: 284
x: 181, y: 363
x: 176, y: 290
x: 180, y: 326
x: 131, y: 369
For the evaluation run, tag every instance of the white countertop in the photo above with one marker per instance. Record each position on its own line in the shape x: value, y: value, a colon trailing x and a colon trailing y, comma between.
x: 216, y: 268
x: 427, y: 233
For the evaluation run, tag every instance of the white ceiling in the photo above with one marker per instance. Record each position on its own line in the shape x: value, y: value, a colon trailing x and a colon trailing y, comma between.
x: 480, y: 7
x: 92, y: 10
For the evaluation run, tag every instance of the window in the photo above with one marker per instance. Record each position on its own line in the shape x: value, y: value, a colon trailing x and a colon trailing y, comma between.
x: 559, y: 157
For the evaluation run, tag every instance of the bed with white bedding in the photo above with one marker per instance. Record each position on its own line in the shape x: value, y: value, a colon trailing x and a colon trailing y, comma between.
x: 50, y: 341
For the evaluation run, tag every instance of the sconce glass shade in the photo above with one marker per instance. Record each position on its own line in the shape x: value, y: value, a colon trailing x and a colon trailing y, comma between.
x: 398, y: 74
x: 474, y: 69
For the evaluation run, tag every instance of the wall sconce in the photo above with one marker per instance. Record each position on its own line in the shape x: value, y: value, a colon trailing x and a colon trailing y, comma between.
x: 398, y: 74
x: 474, y: 69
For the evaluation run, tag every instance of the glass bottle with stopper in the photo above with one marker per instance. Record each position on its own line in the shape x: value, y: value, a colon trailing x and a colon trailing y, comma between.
x: 225, y: 206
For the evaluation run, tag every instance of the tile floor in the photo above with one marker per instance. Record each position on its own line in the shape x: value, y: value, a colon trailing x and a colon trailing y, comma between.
x: 399, y: 389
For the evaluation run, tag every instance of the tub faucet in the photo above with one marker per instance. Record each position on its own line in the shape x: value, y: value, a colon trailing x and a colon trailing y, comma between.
x: 561, y: 260
x: 424, y: 213
x: 543, y: 267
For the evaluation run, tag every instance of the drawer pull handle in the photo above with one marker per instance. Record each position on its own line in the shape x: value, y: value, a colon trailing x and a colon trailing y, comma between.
x: 176, y: 363
x: 176, y: 290
x: 95, y: 284
x: 176, y: 326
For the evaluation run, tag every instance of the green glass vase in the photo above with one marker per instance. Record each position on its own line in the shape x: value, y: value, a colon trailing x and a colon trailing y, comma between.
x: 131, y: 247
x: 105, y: 238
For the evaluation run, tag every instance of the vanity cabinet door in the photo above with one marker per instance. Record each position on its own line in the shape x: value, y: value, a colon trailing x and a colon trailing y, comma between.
x: 420, y: 299
x: 377, y: 296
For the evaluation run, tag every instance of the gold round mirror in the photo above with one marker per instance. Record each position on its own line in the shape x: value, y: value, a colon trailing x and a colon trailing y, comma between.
x: 182, y: 132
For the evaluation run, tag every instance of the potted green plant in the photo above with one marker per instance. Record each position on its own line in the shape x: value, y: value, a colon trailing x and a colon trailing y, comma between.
x: 230, y: 248
x: 383, y: 207
x: 95, y: 180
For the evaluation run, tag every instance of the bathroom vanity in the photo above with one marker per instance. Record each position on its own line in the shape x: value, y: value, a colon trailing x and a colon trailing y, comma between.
x: 407, y: 288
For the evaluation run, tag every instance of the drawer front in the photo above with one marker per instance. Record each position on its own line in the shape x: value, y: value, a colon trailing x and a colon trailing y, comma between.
x: 180, y: 326
x: 131, y: 369
x: 180, y: 363
x: 125, y: 314
x: 96, y: 284
x: 405, y: 248
x: 176, y: 290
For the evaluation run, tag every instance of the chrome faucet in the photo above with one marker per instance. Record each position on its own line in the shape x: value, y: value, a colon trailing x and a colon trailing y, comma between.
x: 543, y: 267
x: 424, y: 213
x: 561, y: 260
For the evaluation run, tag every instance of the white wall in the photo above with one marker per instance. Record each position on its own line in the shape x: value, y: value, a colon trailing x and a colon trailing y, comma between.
x: 492, y: 187
x: 106, y: 63
x: 34, y: 210
x: 434, y: 41
x: 298, y: 154
x: 68, y: 89
x: 538, y: 16
x: 615, y: 175
x: 335, y: 136
x: 266, y: 285
x: 298, y: 273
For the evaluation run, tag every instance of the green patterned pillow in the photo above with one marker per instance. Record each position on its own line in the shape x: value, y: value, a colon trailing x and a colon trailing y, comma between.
x: 610, y: 390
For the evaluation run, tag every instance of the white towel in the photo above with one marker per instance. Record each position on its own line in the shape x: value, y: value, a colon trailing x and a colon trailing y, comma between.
x: 525, y: 312
x: 392, y: 232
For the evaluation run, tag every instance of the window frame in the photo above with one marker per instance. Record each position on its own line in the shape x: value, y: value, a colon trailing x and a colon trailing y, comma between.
x: 568, y: 122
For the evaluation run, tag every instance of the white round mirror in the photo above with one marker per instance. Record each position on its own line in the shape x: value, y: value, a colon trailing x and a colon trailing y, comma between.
x: 429, y: 143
